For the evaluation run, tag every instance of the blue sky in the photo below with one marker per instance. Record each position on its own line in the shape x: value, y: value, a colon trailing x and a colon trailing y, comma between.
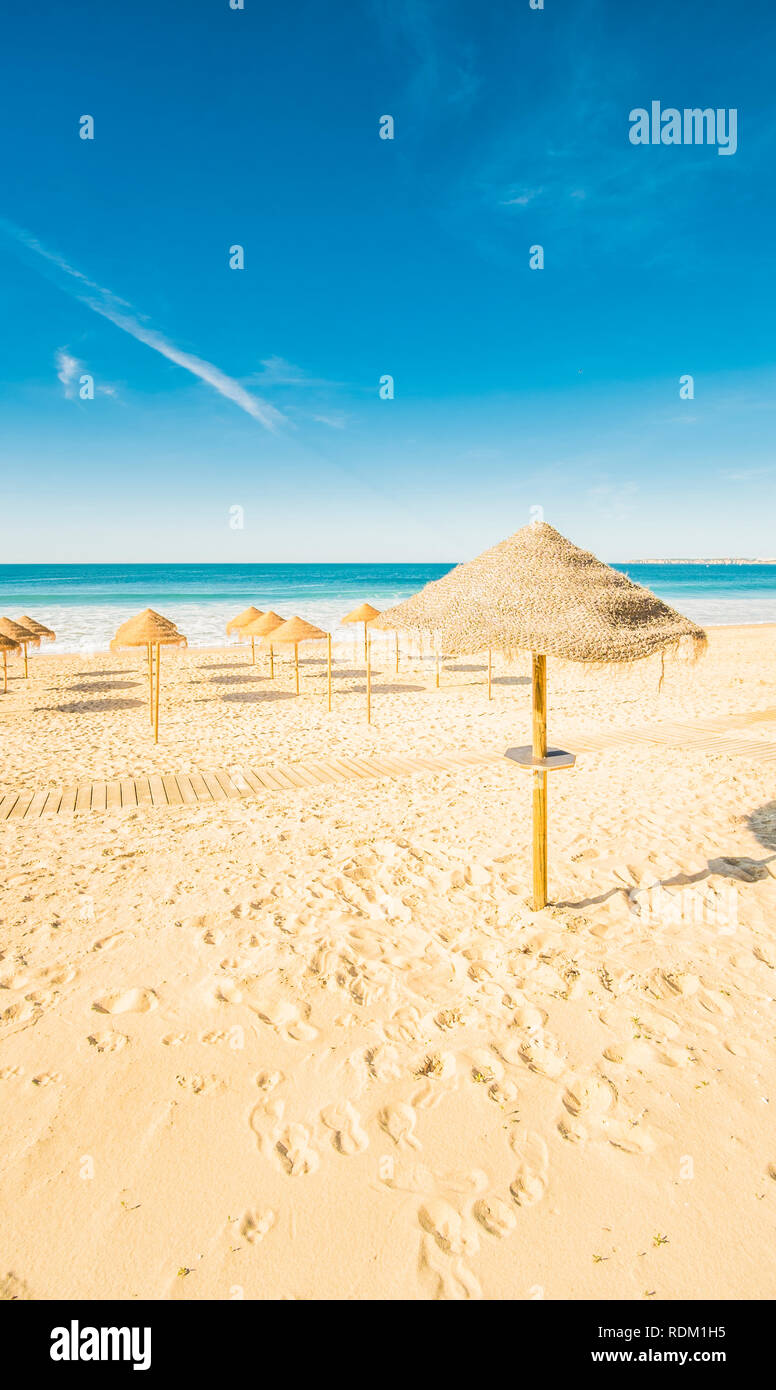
x: 259, y: 388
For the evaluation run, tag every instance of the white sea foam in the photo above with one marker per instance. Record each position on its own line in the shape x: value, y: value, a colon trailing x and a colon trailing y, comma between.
x: 88, y: 628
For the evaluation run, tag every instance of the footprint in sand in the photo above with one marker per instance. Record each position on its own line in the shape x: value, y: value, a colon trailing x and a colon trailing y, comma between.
x: 127, y: 1001
x: 349, y: 1136
x: 494, y: 1214
x: 590, y: 1097
x: 46, y: 1078
x: 296, y: 1152
x: 18, y: 981
x: 255, y: 1225
x: 199, y: 1085
x: 630, y: 1136
x: 542, y: 1057
x: 174, y: 1039
x: 286, y: 1018
x: 19, y: 1013
x: 289, y: 1146
x: 226, y: 992
x: 108, y: 1042
x: 450, y: 1277
x: 399, y: 1122
x: 530, y: 1182
x: 452, y: 1233
x: 9, y: 1073
x: 383, y: 1062
x: 108, y: 943
x: 640, y: 1053
x: 268, y: 1080
x: 715, y: 1002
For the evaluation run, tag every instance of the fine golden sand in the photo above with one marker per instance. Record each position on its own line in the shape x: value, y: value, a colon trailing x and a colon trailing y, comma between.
x: 315, y: 1044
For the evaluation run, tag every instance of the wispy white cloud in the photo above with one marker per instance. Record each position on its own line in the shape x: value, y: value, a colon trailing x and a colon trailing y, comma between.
x: 277, y: 371
x: 522, y: 199
x: 68, y: 368
x: 118, y: 312
x: 260, y: 410
x: 335, y: 422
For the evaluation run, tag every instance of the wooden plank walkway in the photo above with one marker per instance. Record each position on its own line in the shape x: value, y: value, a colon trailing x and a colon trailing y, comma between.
x: 207, y: 787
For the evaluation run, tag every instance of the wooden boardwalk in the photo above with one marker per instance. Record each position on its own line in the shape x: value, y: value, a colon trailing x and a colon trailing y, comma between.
x: 198, y: 788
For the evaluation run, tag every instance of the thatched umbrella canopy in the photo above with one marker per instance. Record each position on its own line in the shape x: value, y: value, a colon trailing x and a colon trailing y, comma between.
x: 365, y: 614
x: 44, y: 633
x: 20, y: 634
x: 538, y: 591
x: 7, y: 644
x: 248, y: 615
x: 291, y: 633
x: 262, y: 626
x: 150, y: 630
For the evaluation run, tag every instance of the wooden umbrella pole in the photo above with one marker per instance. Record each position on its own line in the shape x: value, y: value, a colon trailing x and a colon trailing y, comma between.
x: 156, y: 696
x: 329, y: 669
x: 253, y: 651
x: 539, y: 684
x: 150, y: 684
x: 490, y: 674
x: 437, y: 669
x: 271, y: 663
x: 369, y: 683
x: 5, y: 672
x: 296, y: 662
x: 365, y: 642
x: 24, y: 649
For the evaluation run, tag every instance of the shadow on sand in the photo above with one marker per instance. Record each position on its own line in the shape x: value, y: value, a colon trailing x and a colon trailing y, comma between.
x: 256, y: 697
x: 738, y: 867
x: 395, y: 689
x: 93, y: 706
x: 94, y: 687
x: 100, y: 675
x: 762, y: 824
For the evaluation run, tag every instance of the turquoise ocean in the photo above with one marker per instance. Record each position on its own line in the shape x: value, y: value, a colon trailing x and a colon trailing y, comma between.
x: 84, y: 604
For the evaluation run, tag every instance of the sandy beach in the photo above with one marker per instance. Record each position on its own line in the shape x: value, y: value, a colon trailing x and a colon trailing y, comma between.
x: 314, y: 1043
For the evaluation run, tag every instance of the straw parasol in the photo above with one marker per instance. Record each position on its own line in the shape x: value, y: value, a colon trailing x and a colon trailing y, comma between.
x: 149, y: 629
x: 262, y: 626
x: 291, y: 633
x: 7, y: 644
x: 44, y: 633
x: 539, y: 592
x: 242, y: 620
x: 21, y: 635
x: 365, y: 614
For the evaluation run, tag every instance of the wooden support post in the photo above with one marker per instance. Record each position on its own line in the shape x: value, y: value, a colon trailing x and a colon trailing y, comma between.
x: 5, y: 671
x: 156, y: 695
x: 150, y: 684
x: 329, y: 670
x: 437, y: 669
x: 539, y: 741
x: 369, y: 683
x: 271, y: 663
x: 24, y: 649
x: 365, y: 642
x: 490, y: 674
x: 296, y: 664
x: 253, y: 651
